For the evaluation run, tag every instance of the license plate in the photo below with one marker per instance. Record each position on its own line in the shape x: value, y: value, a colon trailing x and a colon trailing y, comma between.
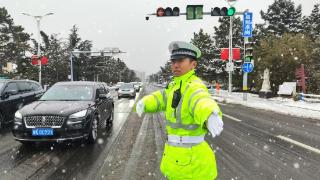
x: 42, y: 132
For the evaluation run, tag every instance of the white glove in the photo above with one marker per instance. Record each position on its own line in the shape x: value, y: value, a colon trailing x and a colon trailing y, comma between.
x: 140, y: 108
x: 215, y: 124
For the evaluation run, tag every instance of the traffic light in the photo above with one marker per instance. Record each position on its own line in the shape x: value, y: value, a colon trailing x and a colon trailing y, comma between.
x: 161, y: 12
x: 248, y: 57
x: 223, y: 11
x: 194, y: 12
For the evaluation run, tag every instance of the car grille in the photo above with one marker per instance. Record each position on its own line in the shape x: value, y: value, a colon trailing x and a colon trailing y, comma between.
x: 44, y: 121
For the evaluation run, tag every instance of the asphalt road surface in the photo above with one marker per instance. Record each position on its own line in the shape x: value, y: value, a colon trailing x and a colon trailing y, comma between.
x: 254, y: 144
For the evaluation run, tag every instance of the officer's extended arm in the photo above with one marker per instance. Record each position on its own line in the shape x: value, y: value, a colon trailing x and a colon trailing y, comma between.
x: 155, y: 102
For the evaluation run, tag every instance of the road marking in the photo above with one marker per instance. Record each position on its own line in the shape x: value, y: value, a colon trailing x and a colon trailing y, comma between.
x: 232, y: 118
x: 299, y: 144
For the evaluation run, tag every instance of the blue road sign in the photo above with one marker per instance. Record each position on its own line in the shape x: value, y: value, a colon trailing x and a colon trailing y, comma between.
x: 247, y: 67
x: 247, y: 24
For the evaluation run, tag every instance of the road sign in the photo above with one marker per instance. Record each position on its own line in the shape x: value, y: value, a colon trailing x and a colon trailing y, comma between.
x: 229, y: 66
x: 247, y: 24
x: 224, y: 55
x: 247, y: 67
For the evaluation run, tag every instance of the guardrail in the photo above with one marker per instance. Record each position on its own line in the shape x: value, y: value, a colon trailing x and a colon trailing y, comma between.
x: 312, y: 98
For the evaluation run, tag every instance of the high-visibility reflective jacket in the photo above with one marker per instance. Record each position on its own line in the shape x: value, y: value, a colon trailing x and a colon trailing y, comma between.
x: 194, y: 108
x: 187, y: 119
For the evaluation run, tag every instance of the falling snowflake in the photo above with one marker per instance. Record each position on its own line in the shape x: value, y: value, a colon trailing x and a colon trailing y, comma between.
x: 63, y: 171
x: 266, y: 148
x: 296, y: 165
x: 100, y: 141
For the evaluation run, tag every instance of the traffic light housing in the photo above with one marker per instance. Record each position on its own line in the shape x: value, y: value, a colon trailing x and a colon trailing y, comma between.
x: 194, y: 12
x: 248, y: 57
x: 223, y: 11
x: 167, y: 12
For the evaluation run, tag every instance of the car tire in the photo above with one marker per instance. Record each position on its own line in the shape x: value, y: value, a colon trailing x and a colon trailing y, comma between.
x: 93, y: 133
x: 110, y: 119
x: 119, y: 97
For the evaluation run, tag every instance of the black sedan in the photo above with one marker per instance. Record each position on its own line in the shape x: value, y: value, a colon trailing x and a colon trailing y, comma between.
x: 67, y: 111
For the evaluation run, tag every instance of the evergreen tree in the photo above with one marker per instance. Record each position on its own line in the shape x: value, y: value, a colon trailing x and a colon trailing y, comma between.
x: 282, y: 56
x: 282, y: 17
x: 312, y: 23
x: 13, y: 41
x: 205, y: 68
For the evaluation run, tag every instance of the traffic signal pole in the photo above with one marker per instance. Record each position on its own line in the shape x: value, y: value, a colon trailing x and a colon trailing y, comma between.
x: 245, y: 74
x: 168, y: 12
x: 230, y: 55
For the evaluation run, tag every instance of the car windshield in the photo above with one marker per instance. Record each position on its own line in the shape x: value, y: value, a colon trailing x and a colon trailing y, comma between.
x: 126, y: 86
x: 69, y: 93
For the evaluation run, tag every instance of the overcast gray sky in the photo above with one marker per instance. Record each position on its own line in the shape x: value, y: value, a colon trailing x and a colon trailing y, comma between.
x: 121, y: 23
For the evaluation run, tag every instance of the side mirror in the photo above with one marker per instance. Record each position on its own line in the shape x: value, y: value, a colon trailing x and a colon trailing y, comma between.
x: 5, y: 95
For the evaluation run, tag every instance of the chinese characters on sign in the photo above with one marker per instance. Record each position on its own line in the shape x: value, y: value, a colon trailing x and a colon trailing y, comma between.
x: 247, y: 25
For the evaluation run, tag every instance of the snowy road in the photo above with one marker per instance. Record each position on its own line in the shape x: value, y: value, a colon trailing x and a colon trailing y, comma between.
x: 255, y: 144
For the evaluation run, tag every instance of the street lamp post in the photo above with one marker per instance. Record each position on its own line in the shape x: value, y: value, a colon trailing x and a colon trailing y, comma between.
x: 38, y: 19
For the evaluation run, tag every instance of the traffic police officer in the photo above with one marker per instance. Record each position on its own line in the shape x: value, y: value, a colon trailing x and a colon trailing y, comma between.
x: 190, y: 113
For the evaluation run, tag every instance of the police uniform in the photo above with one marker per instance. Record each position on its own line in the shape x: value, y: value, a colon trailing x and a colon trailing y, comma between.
x: 190, y: 112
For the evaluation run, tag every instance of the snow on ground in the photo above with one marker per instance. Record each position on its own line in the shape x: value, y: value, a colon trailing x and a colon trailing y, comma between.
x: 277, y: 104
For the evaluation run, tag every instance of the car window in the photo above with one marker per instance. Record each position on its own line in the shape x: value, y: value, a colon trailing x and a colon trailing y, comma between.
x: 35, y: 86
x: 11, y: 87
x: 126, y: 85
x: 68, y: 93
x: 24, y: 87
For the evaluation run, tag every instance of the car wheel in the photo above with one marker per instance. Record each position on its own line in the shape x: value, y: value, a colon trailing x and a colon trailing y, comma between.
x: 110, y: 119
x: 119, y: 97
x: 93, y: 134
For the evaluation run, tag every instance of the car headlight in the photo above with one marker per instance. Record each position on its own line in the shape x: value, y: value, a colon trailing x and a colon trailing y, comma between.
x: 79, y: 114
x: 18, y: 115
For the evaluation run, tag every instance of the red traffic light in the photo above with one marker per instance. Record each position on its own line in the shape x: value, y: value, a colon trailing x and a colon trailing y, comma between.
x: 44, y: 60
x: 168, y: 11
x: 160, y: 12
x: 34, y: 62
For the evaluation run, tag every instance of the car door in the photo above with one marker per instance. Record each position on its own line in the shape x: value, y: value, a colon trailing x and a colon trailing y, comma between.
x: 26, y: 93
x: 12, y: 101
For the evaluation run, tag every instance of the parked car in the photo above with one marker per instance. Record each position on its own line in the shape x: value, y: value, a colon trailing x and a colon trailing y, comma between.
x: 14, y: 95
x: 67, y: 111
x: 126, y: 90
